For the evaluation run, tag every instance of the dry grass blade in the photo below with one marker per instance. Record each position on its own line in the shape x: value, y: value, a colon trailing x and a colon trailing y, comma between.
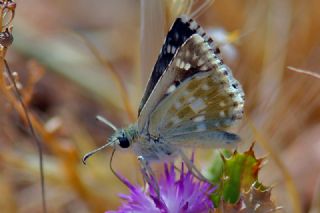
x: 176, y: 8
x: 315, y: 206
x: 152, y: 24
x: 313, y: 74
x: 117, y: 78
x: 205, y: 5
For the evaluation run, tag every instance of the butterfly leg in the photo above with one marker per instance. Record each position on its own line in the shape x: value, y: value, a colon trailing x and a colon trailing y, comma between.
x: 148, y: 175
x: 192, y: 168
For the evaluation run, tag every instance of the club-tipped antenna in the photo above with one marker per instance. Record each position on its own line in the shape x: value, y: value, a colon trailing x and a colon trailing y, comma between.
x: 89, y: 154
x: 106, y: 122
x: 109, y: 124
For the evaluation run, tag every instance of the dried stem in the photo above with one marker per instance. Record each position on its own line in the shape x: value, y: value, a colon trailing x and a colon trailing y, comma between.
x: 9, y: 6
x: 33, y: 133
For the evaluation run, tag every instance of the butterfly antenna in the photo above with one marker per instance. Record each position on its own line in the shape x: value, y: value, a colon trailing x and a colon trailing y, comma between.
x: 106, y: 122
x: 89, y: 154
x: 109, y: 124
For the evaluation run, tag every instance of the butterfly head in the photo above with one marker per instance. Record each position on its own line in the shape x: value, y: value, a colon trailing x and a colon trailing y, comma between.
x: 120, y: 139
x: 124, y: 138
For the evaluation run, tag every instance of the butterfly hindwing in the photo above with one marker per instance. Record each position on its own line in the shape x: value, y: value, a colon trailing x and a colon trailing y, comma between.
x: 203, y: 139
x: 180, y: 31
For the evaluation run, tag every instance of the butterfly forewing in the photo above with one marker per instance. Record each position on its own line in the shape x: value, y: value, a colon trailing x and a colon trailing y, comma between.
x: 180, y: 31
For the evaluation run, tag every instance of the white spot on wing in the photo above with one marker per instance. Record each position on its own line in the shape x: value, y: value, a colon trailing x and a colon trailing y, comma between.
x: 193, y: 25
x: 194, y: 57
x: 200, y: 62
x: 257, y: 206
x: 182, y: 65
x: 198, y: 39
x: 173, y: 49
x: 199, y: 118
x: 178, y: 62
x: 205, y: 86
x: 187, y: 53
x: 176, y: 36
x: 222, y: 114
x: 209, y: 56
x: 222, y: 103
x: 168, y: 48
x: 184, y: 19
x: 171, y: 89
x: 200, y: 31
x: 198, y: 105
x: 204, y: 48
x: 187, y: 66
x: 215, y: 61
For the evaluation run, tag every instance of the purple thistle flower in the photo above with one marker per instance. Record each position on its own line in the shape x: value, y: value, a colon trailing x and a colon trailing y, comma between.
x: 185, y: 195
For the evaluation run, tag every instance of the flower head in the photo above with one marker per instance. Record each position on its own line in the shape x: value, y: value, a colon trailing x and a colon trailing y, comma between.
x: 184, y: 195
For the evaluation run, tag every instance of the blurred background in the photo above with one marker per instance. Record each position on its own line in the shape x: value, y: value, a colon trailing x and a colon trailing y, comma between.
x: 76, y: 59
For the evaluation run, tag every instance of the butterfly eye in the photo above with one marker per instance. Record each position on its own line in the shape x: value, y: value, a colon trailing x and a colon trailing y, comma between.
x: 123, y: 142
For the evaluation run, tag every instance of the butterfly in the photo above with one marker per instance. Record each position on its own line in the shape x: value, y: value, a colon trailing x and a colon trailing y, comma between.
x: 190, y: 99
